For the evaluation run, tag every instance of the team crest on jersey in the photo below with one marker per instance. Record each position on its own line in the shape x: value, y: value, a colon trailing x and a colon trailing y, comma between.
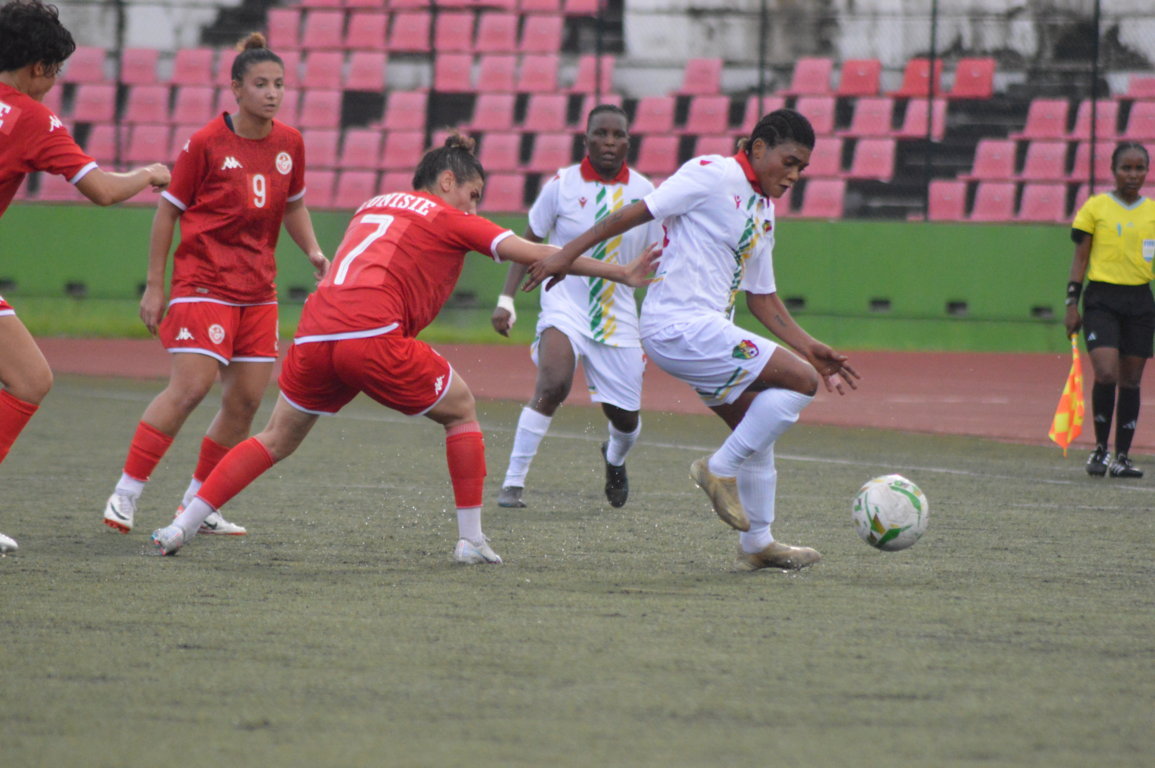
x: 284, y: 163
x: 737, y: 202
x: 230, y: 163
x: 582, y: 202
x: 216, y: 333
x: 746, y: 350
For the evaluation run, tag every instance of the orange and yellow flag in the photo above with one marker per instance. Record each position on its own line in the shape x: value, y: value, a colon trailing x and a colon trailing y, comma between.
x: 1068, y: 421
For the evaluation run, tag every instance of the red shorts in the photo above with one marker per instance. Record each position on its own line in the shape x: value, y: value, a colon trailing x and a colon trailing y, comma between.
x: 224, y: 331
x: 401, y: 373
x: 6, y: 308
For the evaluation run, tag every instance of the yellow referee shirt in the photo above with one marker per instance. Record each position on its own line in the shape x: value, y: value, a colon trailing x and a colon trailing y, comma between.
x: 1123, y: 239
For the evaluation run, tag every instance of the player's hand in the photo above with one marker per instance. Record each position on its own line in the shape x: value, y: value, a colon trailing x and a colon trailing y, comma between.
x: 640, y: 271
x: 320, y: 265
x: 1072, y: 321
x: 158, y: 176
x: 833, y: 367
x: 152, y: 308
x: 502, y: 321
x: 554, y: 266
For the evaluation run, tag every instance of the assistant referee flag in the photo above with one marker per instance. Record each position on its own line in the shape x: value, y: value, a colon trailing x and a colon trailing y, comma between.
x: 1068, y: 421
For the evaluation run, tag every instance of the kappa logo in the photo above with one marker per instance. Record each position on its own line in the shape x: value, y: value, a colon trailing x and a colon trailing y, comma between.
x: 184, y: 334
x: 216, y: 333
x: 54, y: 123
x: 746, y: 350
x: 230, y: 163
x: 437, y: 385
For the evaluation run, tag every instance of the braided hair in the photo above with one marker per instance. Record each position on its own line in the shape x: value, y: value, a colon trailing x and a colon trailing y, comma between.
x: 780, y: 126
x: 1127, y: 146
x: 455, y: 155
x: 253, y: 50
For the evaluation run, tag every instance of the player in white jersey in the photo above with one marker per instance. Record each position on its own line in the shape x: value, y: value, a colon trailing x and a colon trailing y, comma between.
x: 719, y: 218
x: 587, y: 320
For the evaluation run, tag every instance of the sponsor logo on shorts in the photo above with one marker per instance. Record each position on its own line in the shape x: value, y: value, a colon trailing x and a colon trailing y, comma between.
x: 231, y: 163
x: 746, y: 350
x: 184, y: 334
x: 284, y: 163
x: 216, y: 333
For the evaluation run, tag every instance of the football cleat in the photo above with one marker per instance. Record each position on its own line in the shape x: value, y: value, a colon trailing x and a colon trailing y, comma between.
x: 1097, y: 462
x: 779, y: 555
x: 215, y: 525
x: 119, y: 511
x: 7, y: 544
x: 723, y: 493
x: 510, y: 496
x: 475, y: 552
x: 167, y: 540
x: 1122, y: 467
x: 617, y: 483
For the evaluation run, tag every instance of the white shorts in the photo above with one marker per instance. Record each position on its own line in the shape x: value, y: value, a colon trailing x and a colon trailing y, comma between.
x: 711, y: 354
x: 613, y: 374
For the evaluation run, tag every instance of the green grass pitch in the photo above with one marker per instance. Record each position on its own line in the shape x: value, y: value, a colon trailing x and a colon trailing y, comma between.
x: 1019, y: 632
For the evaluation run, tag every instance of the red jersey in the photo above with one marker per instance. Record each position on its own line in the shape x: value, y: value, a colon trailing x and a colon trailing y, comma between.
x: 398, y: 263
x: 232, y: 193
x: 34, y: 139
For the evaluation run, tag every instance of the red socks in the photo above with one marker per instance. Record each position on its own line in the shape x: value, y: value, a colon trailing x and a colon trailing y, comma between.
x: 465, y: 454
x: 14, y: 414
x: 211, y: 454
x: 243, y: 464
x: 148, y: 447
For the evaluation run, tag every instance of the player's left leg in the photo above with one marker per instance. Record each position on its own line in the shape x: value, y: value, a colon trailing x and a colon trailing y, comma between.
x: 1127, y: 415
x: 26, y: 378
x: 614, y: 378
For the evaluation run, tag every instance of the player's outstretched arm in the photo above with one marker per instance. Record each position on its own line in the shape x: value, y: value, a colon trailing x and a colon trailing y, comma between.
x: 299, y: 225
x: 159, y: 244
x: 555, y: 267
x: 504, y: 315
x: 832, y: 366
x: 635, y: 274
x: 108, y: 188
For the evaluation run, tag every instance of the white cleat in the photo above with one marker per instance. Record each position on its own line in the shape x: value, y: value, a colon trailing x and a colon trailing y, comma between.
x: 474, y: 552
x: 119, y: 511
x: 215, y: 525
x: 7, y: 545
x: 168, y: 540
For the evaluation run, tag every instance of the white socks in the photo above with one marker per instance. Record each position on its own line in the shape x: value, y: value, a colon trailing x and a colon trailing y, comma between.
x: 769, y: 416
x: 469, y: 524
x: 757, y: 486
x: 193, y: 486
x: 129, y: 486
x: 531, y: 429
x: 620, y: 443
x: 195, y: 513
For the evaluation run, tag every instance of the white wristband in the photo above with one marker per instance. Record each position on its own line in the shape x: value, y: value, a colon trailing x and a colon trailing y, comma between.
x: 506, y: 303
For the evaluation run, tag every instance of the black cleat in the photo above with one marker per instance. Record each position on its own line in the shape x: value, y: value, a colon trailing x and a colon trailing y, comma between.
x: 1122, y: 467
x: 617, y: 484
x: 1098, y: 461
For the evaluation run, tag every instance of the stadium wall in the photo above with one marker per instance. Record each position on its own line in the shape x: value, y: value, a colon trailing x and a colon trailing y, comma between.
x: 855, y: 284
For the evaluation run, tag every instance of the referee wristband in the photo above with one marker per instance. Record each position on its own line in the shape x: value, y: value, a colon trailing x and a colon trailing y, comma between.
x: 1074, y: 291
x: 506, y: 303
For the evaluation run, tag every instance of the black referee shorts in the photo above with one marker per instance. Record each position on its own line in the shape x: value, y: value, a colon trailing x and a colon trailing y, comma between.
x: 1119, y: 317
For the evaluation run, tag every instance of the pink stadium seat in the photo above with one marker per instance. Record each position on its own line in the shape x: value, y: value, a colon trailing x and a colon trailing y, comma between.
x: 402, y: 150
x: 914, y: 120
x: 994, y: 201
x: 453, y: 31
x: 496, y: 32
x: 716, y: 144
x: 541, y: 6
x: 1045, y: 161
x: 1140, y: 87
x: 541, y: 33
x: 873, y: 116
x: 500, y: 5
x: 653, y: 114
x: 319, y: 187
x: 701, y: 77
x: 973, y: 79
x: 860, y: 77
x: 948, y: 200
x: 823, y: 199
x: 1081, y: 168
x: 146, y: 104
x: 367, y: 70
x: 367, y: 30
x: 538, y: 73
x: 284, y: 29
x: 593, y: 100
x: 56, y: 189
x: 406, y: 111
x: 658, y: 155
x: 323, y: 29
x: 500, y: 151
x: 1140, y: 123
x: 1043, y: 202
x: 994, y: 160
x: 406, y: 5
x: 180, y: 135
x: 916, y: 79
x: 504, y: 192
x: 94, y: 103
x: 321, y: 146
x: 1046, y: 119
x: 581, y: 7
x: 323, y: 69
x: 193, y: 66
x: 54, y: 100
x: 550, y: 152
x: 353, y: 188
x: 194, y: 104
x: 144, y: 144
x: 493, y: 112
x: 819, y: 110
x: 361, y: 149
x: 708, y: 114
x: 320, y: 3
x: 497, y: 72
x: 396, y: 181
x: 811, y: 76
x: 1106, y: 121
x: 319, y: 109
x: 586, y: 80
x: 757, y: 108
x: 825, y: 158
x: 546, y: 113
x: 85, y: 65
x: 101, y: 143
x: 873, y: 159
x: 409, y: 32
x: 138, y: 66
x: 453, y: 73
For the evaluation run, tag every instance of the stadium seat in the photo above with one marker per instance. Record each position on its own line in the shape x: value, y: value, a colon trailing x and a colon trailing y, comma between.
x: 707, y: 114
x: 56, y: 189
x: 396, y: 181
x: 757, y: 108
x: 353, y: 188
x: 85, y: 65
x: 1081, y: 167
x: 653, y: 114
x: 1106, y: 121
x: 701, y: 77
x: 144, y: 144
x: 319, y: 187
x: 453, y: 73
x: 138, y: 66
x: 1045, y: 161
x: 493, y: 112
x: 916, y: 79
x: 409, y: 32
x: 284, y: 28
x: 54, y: 100
x: 724, y: 144
x: 405, y: 111
x: 496, y: 32
x: 873, y: 159
x: 538, y: 73
x: 361, y: 149
x: 500, y: 151
x: 914, y: 120
x: 402, y: 150
x: 1046, y: 119
x: 323, y: 69
x: 194, y: 104
x: 819, y: 110
x: 321, y: 146
x: 1140, y: 87
x: 323, y: 29
x: 453, y: 32
x: 873, y: 116
x: 180, y: 135
x: 541, y: 33
x: 504, y: 192
x: 592, y: 100
x: 552, y: 7
x: 499, y: 5
x: 994, y: 201
x: 811, y: 76
x: 367, y: 31
x: 1140, y: 123
x: 994, y: 160
x: 860, y: 77
x: 825, y: 158
x: 658, y: 155
x: 823, y: 199
x: 1043, y: 202
x: 94, y: 103
x: 973, y: 79
x: 550, y: 152
x: 586, y: 79
x: 496, y: 72
x: 581, y: 7
x: 319, y: 109
x: 405, y: 5
x: 193, y: 66
x: 101, y: 143
x: 367, y: 70
x: 546, y: 113
x: 947, y: 200
x: 146, y: 104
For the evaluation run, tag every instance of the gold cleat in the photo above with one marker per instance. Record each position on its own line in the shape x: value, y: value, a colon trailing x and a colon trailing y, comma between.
x: 723, y: 493
x: 779, y: 555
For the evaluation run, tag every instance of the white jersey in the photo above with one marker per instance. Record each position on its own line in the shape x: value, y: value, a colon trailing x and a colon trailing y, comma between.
x: 569, y: 204
x: 719, y: 241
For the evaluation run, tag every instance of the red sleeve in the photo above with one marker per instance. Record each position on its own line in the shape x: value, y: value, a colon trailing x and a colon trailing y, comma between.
x: 475, y: 233
x: 297, y: 183
x: 51, y: 147
x: 186, y: 174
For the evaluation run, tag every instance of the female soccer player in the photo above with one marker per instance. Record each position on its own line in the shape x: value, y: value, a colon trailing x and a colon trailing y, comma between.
x: 589, y: 319
x: 33, y: 48
x: 235, y: 182
x: 719, y: 218
x: 1114, y: 236
x: 400, y: 258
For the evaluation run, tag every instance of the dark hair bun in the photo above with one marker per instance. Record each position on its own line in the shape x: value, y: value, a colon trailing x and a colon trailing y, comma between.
x: 459, y: 141
x: 254, y: 40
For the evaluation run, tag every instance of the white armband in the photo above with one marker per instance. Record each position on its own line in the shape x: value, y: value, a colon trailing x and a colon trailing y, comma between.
x: 506, y: 303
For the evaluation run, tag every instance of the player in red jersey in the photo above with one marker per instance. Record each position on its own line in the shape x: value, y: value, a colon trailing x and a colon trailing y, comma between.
x: 398, y: 263
x: 33, y: 48
x: 236, y: 181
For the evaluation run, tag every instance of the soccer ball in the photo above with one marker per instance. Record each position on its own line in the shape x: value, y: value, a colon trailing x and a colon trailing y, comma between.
x: 890, y: 513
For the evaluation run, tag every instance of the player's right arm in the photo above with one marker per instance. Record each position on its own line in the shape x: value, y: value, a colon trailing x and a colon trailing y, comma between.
x: 159, y: 244
x: 557, y: 265
x: 504, y: 314
x: 108, y: 187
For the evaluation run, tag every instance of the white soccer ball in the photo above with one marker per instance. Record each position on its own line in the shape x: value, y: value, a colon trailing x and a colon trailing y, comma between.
x: 890, y: 513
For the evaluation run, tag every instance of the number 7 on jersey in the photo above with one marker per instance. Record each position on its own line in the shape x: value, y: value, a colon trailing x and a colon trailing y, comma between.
x: 346, y: 260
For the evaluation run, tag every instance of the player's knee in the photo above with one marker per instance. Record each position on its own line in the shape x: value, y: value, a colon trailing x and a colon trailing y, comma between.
x: 33, y: 385
x: 551, y: 394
